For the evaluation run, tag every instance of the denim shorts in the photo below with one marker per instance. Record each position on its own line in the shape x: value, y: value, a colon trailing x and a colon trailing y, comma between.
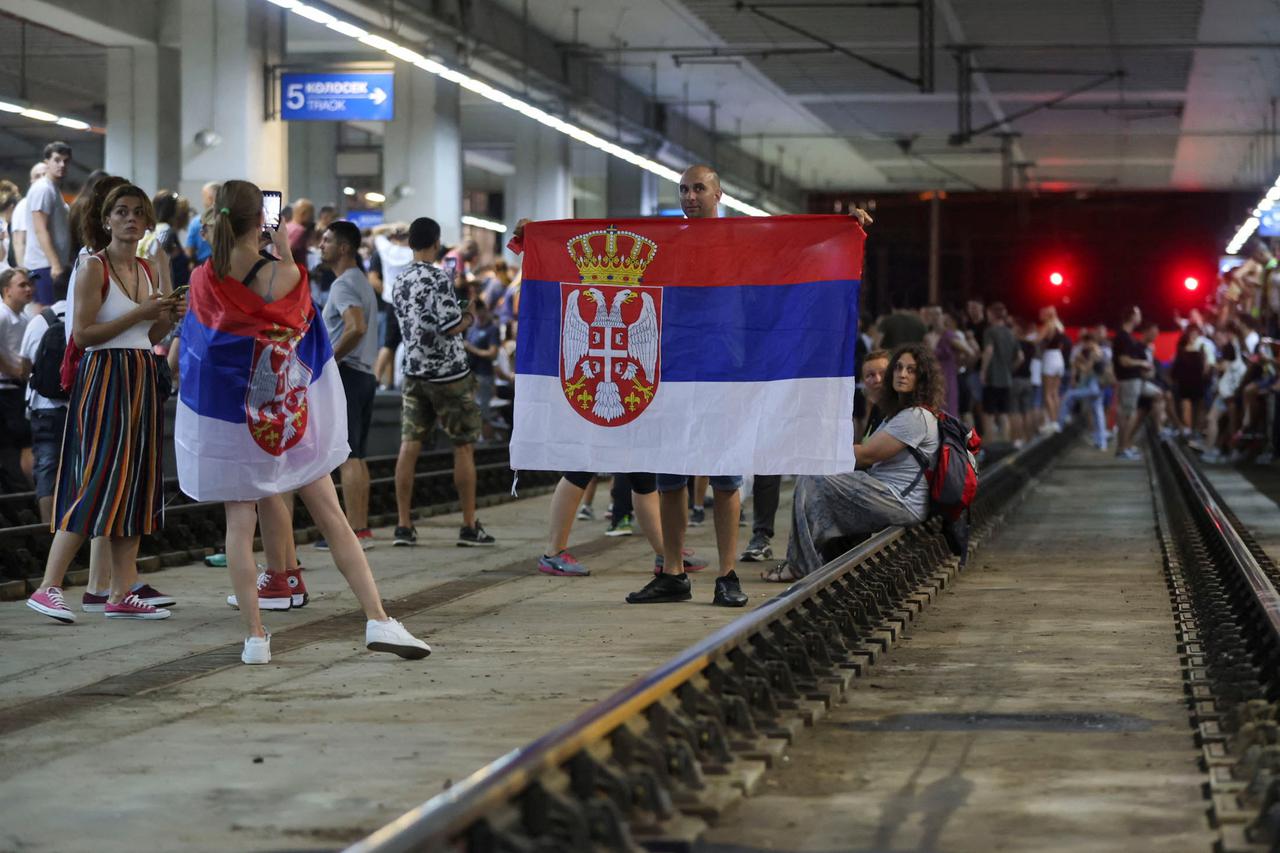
x: 46, y: 446
x: 676, y: 482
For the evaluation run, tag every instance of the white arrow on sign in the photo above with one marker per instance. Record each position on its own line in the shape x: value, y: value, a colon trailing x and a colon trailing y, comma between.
x: 377, y: 96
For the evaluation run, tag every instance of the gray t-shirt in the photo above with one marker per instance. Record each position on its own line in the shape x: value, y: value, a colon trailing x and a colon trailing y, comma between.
x: 918, y: 428
x: 1004, y: 351
x: 352, y: 288
x: 44, y: 197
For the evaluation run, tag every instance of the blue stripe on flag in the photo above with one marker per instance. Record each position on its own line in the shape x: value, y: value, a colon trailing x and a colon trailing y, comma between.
x: 752, y: 333
x: 219, y: 391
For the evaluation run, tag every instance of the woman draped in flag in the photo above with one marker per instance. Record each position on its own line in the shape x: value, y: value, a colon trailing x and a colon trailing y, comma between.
x: 261, y: 409
x: 110, y: 474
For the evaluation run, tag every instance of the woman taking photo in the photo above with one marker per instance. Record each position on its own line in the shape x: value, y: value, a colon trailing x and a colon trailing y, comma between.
x: 261, y: 411
x: 110, y: 477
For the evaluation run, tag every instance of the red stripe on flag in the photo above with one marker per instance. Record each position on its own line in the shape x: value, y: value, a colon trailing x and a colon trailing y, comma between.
x: 709, y: 252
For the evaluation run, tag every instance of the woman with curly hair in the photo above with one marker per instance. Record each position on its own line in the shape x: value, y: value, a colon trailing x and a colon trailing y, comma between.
x: 889, y: 487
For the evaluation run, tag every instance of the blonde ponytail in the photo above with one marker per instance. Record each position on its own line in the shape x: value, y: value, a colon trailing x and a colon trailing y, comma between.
x: 237, y: 211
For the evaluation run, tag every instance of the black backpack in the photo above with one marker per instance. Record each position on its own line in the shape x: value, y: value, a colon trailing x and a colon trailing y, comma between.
x: 46, y: 367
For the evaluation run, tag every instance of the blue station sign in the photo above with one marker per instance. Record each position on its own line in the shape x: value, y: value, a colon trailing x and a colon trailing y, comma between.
x: 337, y: 96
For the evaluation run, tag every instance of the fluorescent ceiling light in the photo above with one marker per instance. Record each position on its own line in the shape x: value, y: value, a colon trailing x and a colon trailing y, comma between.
x: 73, y: 123
x: 346, y: 29
x: 38, y: 115
x: 313, y: 14
x: 10, y: 107
x: 1250, y: 225
x: 488, y: 91
x: 376, y: 198
x: 348, y: 190
x: 487, y: 224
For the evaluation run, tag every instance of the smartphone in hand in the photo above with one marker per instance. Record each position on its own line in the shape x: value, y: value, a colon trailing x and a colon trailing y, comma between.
x: 272, y: 204
x: 180, y: 292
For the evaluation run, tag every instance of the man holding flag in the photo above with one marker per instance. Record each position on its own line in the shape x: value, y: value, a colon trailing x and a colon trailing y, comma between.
x: 654, y: 344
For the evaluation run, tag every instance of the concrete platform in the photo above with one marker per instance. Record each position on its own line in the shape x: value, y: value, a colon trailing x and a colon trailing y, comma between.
x: 1037, y: 706
x: 151, y: 735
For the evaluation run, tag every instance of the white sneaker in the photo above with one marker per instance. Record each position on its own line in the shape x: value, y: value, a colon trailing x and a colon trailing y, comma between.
x: 256, y: 650
x: 391, y: 636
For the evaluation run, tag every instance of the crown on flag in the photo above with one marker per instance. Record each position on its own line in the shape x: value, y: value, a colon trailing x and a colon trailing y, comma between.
x: 598, y: 260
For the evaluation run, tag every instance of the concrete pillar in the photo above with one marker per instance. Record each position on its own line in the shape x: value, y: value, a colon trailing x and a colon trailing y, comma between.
x: 225, y: 48
x: 313, y: 166
x: 143, y: 125
x: 540, y: 187
x: 631, y: 191
x: 422, y: 153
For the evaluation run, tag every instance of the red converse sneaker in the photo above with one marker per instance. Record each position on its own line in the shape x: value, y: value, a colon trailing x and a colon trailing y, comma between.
x: 297, y: 588
x: 133, y: 607
x: 273, y: 592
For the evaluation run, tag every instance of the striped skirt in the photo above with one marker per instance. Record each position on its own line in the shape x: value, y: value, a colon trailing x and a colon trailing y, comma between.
x: 110, y: 478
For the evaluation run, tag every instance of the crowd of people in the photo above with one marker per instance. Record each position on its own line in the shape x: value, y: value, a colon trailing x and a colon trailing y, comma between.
x: 97, y: 300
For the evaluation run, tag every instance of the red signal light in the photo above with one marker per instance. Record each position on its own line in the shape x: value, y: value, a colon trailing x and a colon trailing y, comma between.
x: 1056, y: 279
x: 1191, y: 282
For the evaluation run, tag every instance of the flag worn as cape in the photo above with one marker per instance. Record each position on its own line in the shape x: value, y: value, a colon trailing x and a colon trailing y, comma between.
x: 688, y: 346
x: 260, y: 403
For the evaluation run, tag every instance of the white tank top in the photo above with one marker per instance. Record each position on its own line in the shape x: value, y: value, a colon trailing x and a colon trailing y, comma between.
x: 117, y: 305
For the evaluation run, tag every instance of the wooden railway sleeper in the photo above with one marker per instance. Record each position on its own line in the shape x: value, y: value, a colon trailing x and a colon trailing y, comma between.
x: 646, y: 766
x: 483, y: 837
x: 548, y: 816
x: 734, y: 695
x: 605, y: 793
x: 761, y: 694
x: 1265, y: 828
x: 678, y: 739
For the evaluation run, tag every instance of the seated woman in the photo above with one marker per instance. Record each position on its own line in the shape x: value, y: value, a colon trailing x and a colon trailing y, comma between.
x: 889, y: 487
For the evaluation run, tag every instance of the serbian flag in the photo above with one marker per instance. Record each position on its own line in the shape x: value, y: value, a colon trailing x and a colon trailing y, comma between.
x: 688, y: 346
x: 260, y: 403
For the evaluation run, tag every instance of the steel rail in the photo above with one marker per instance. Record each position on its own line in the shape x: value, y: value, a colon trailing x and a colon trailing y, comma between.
x: 1260, y: 584
x: 437, y: 823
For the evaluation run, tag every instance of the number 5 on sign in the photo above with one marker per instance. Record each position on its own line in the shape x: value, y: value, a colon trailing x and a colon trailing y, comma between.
x: 294, y: 99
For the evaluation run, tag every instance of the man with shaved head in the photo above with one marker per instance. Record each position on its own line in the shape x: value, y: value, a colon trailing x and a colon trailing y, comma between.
x: 700, y: 195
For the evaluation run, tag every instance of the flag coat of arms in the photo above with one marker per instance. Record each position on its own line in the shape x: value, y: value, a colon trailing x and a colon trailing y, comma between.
x: 261, y: 408
x: 688, y: 346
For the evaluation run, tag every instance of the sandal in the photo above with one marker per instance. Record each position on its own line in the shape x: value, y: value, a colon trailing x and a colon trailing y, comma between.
x: 781, y: 573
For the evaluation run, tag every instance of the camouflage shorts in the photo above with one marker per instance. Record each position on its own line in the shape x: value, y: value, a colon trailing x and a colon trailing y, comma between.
x: 454, y: 403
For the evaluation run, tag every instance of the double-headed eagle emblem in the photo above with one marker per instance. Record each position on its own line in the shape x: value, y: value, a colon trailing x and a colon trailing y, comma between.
x: 609, y: 354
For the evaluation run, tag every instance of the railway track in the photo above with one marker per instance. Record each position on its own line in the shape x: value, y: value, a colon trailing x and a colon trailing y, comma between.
x: 652, y: 765
x: 194, y: 529
x: 1223, y: 589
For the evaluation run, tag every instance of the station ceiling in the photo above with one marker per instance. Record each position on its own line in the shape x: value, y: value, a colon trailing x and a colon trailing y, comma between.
x: 1166, y: 101
x: 1173, y: 93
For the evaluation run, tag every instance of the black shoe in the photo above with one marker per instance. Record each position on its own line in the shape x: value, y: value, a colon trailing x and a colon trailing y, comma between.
x: 405, y: 536
x: 729, y: 592
x: 663, y: 588
x: 697, y: 516
x: 758, y: 551
x: 474, y: 537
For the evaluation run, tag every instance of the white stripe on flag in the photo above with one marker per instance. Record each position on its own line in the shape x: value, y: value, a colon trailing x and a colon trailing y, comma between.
x: 793, y: 426
x: 219, y: 460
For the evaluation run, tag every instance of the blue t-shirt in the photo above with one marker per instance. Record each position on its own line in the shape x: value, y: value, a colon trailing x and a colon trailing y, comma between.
x: 197, y: 246
x: 482, y: 337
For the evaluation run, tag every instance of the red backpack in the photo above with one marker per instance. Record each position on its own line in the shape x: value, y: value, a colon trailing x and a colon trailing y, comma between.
x: 952, y: 476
